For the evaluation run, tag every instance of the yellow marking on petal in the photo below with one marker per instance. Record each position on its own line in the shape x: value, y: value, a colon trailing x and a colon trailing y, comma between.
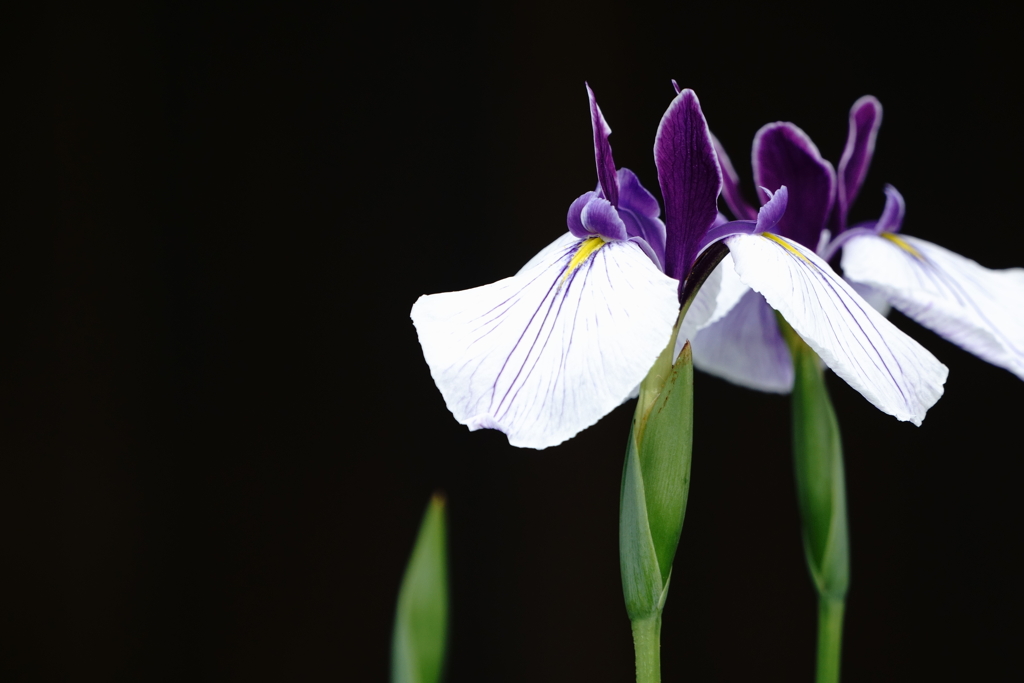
x: 902, y: 244
x: 785, y: 245
x: 589, y: 246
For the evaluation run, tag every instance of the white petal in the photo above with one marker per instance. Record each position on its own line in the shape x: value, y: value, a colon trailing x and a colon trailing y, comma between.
x: 731, y: 291
x: 887, y: 367
x: 979, y: 309
x: 746, y: 348
x: 543, y: 355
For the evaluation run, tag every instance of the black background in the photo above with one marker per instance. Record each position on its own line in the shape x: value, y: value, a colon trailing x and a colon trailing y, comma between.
x: 218, y: 434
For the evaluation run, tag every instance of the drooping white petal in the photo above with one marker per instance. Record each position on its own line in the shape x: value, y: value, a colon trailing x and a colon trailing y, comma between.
x: 887, y: 367
x: 979, y: 309
x: 746, y: 347
x: 546, y: 353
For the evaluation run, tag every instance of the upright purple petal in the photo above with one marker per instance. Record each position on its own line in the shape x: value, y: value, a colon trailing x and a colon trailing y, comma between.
x: 603, y: 152
x: 865, y: 118
x: 784, y: 155
x: 731, y: 186
x: 640, y: 211
x: 634, y: 196
x: 690, y: 178
x: 773, y: 210
x: 892, y: 215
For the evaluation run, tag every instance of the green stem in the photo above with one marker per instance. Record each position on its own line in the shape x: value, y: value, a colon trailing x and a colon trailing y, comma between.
x: 830, y: 638
x: 647, y: 644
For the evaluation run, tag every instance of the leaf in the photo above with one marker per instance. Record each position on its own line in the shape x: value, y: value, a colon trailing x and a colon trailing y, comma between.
x: 421, y: 618
x: 638, y: 561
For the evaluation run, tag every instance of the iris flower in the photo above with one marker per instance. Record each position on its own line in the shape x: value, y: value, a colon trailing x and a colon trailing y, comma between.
x: 742, y: 341
x: 546, y: 353
x: 977, y: 308
x: 974, y: 307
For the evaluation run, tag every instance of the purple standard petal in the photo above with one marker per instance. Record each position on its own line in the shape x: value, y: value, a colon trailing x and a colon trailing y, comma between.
x: 865, y: 118
x: 574, y: 220
x: 784, y: 155
x: 731, y: 186
x: 639, y: 210
x: 599, y: 217
x: 690, y: 178
x: 891, y: 219
x: 773, y: 210
x: 634, y: 196
x: 603, y: 152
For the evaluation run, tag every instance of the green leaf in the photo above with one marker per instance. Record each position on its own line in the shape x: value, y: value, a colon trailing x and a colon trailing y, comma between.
x: 421, y: 619
x: 820, y: 482
x: 638, y: 562
x: 655, y: 487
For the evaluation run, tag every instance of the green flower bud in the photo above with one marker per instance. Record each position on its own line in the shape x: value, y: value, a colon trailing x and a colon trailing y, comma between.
x: 655, y: 484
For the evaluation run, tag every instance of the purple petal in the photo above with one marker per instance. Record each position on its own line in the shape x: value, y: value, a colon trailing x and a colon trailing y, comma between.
x: 634, y: 196
x: 731, y: 186
x: 865, y: 118
x: 773, y: 211
x: 892, y: 215
x: 690, y: 178
x: 721, y: 230
x: 603, y: 152
x: 784, y: 155
x: 890, y: 221
x: 600, y: 218
x: 640, y: 211
x: 574, y: 220
x: 651, y: 231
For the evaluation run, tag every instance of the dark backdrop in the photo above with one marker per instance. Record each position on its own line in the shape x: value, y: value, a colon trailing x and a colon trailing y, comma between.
x: 217, y: 432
